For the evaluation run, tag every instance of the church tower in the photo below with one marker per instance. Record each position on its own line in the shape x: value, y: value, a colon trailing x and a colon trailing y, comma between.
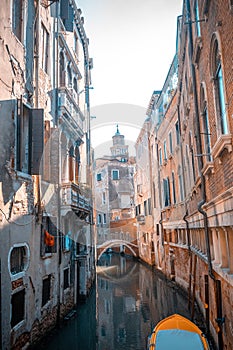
x: 119, y: 150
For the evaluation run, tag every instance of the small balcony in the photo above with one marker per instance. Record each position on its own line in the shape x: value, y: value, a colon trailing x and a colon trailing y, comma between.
x: 141, y: 219
x: 70, y: 112
x: 73, y: 200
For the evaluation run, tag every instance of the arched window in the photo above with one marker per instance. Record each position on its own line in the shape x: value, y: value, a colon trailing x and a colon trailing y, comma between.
x: 71, y: 163
x: 219, y: 87
x: 205, y: 123
x: 18, y: 259
x: 77, y: 164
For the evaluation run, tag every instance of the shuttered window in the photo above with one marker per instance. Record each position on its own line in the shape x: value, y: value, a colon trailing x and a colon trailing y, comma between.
x: 30, y: 139
x: 17, y: 18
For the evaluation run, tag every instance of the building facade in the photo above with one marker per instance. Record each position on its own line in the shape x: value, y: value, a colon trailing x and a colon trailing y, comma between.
x: 47, y: 253
x: 192, y: 165
x: 114, y: 194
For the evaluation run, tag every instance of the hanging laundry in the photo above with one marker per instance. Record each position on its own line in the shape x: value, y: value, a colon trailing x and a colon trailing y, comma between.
x: 48, y: 239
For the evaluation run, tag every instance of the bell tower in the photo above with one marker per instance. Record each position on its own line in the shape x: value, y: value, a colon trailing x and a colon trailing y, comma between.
x: 119, y: 150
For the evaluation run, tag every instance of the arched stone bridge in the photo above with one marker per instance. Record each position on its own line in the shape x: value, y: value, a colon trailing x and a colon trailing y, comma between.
x: 103, y: 247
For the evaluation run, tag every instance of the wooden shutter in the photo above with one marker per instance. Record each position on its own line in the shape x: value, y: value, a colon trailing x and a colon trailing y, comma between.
x: 37, y: 140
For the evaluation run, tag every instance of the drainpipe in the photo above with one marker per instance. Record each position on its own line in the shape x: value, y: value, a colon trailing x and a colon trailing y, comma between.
x: 218, y: 295
x: 36, y: 53
x: 55, y: 75
x: 160, y: 195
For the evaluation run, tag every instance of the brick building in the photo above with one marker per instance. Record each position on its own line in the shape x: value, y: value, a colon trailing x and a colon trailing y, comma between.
x: 46, y: 243
x: 192, y: 165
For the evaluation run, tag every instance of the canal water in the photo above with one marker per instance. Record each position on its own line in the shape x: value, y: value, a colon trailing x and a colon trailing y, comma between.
x: 129, y: 299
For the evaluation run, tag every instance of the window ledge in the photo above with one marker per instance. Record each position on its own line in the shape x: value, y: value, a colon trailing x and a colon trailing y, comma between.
x: 208, y: 168
x: 223, y: 142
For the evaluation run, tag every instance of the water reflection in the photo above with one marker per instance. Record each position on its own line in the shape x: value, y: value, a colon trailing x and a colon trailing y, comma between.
x: 130, y: 299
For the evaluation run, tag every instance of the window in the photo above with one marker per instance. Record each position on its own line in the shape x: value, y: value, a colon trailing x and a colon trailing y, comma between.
x: 45, y: 48
x: 67, y: 234
x: 62, y: 74
x: 154, y: 194
x: 160, y: 157
x: 30, y: 139
x: 48, y: 235
x: 18, y: 18
x: 139, y: 209
x: 165, y: 149
x: 197, y: 19
x: 170, y: 143
x: 98, y: 177
x: 173, y: 188
x: 69, y: 74
x: 115, y: 174
x: 206, y: 128
x: 177, y: 133
x: 181, y: 184
x: 18, y: 259
x: 17, y: 307
x: 23, y: 139
x: 99, y: 219
x: 76, y: 44
x: 103, y: 198
x: 219, y: 89
x: 66, y: 281
x: 75, y: 85
x: 166, y: 192
x: 145, y: 208
x: 192, y: 156
x: 149, y: 206
x: 104, y: 219
x: 46, y: 285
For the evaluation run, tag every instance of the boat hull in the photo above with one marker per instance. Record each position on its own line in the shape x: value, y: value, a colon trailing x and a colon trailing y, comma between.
x: 177, y: 333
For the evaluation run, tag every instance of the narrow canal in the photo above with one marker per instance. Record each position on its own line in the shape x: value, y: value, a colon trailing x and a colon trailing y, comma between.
x: 130, y: 298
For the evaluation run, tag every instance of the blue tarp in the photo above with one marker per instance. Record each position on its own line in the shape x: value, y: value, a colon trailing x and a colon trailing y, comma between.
x: 176, y: 339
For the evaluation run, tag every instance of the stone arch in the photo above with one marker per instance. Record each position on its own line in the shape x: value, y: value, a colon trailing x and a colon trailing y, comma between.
x: 114, y: 244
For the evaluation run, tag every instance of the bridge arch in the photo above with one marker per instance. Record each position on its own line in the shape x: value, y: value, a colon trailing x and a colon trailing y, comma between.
x: 113, y: 243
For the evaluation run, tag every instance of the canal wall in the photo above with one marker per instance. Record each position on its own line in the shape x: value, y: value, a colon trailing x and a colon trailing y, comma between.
x: 189, y: 269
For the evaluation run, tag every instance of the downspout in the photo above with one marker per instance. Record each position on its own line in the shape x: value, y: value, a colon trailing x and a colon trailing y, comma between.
x: 160, y: 196
x: 55, y: 75
x: 36, y: 54
x: 218, y: 296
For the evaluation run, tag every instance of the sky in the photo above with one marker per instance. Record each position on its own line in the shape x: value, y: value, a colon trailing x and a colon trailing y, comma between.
x: 132, y: 43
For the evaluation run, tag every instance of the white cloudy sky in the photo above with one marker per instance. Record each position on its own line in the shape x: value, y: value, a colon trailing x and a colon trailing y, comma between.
x: 132, y: 43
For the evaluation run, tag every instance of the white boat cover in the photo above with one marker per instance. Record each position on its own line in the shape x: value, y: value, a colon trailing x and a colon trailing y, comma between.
x: 176, y: 339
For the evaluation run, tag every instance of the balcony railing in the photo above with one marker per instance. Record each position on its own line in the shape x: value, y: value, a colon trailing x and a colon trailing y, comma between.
x: 70, y: 111
x: 73, y: 199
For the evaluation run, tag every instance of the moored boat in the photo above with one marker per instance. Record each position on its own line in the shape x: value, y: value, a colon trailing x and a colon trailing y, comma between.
x: 177, y: 333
